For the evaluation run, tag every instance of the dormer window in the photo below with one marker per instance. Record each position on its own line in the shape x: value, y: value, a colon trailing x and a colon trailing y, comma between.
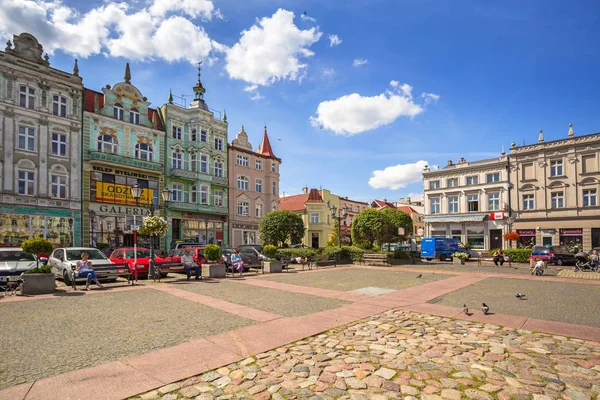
x: 134, y: 116
x: 118, y: 112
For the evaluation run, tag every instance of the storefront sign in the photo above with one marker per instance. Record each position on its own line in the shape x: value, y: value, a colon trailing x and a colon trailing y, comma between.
x: 497, y: 215
x: 117, y: 210
x: 526, y: 232
x: 120, y: 194
x: 121, y: 172
x: 571, y: 232
x: 420, y: 232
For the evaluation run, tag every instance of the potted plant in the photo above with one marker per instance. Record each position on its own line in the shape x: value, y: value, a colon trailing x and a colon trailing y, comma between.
x: 39, y: 280
x: 212, y: 269
x: 271, y: 265
x: 459, y: 258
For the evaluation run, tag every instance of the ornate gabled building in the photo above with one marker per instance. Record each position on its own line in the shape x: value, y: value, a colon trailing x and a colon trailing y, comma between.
x: 196, y: 171
x: 40, y: 159
x: 123, y: 145
x: 254, y: 191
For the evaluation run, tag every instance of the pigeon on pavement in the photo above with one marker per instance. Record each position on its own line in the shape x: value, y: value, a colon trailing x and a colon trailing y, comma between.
x: 465, y: 309
x: 420, y: 276
x: 485, y: 308
x: 520, y: 296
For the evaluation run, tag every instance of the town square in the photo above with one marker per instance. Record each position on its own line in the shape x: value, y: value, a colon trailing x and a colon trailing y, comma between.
x: 212, y: 199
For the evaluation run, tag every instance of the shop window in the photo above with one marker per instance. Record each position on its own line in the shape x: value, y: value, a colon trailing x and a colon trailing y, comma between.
x: 475, y: 238
x: 457, y: 234
x: 438, y: 234
x: 571, y: 238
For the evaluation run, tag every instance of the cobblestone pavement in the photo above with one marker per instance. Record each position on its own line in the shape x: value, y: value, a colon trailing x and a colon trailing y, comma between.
x: 570, y: 273
x: 357, y: 278
x: 73, y: 332
x: 489, y: 267
x: 264, y: 299
x: 403, y: 355
x: 556, y: 301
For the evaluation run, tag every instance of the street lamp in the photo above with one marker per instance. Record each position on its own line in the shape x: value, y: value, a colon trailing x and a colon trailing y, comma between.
x: 339, y: 218
x: 136, y: 193
x: 71, y: 232
x: 93, y: 219
x: 205, y: 230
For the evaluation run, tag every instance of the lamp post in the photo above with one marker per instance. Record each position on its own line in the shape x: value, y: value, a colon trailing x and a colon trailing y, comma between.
x: 205, y: 231
x: 93, y: 222
x: 71, y: 232
x: 136, y: 193
x: 343, y: 213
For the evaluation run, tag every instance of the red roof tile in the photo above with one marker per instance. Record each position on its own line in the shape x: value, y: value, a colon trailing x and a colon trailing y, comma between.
x: 151, y: 113
x: 89, y: 98
x: 314, y: 196
x: 265, y: 147
x: 407, y: 209
x: 383, y: 204
x: 293, y: 203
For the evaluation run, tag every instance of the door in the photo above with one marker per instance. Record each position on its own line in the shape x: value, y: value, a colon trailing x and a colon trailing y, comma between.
x: 495, y: 238
x: 315, y: 240
x: 595, y: 237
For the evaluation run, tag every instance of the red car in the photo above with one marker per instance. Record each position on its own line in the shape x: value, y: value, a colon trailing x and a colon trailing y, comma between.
x: 197, y: 254
x: 142, y: 263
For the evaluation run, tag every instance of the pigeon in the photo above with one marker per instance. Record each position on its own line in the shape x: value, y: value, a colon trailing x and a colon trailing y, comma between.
x: 420, y: 276
x: 485, y: 308
x: 520, y: 296
x: 465, y: 309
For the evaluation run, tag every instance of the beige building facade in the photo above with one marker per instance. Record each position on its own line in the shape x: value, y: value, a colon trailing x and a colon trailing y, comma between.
x: 555, y: 191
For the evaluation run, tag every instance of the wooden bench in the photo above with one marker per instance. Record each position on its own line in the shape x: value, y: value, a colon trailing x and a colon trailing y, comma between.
x: 375, y: 258
x: 321, y: 261
x: 229, y: 269
x: 104, y: 271
x: 162, y: 269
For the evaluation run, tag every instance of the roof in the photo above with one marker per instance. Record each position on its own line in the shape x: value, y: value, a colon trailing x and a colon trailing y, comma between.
x: 407, y: 209
x: 265, y: 147
x: 151, y: 112
x: 314, y: 196
x: 383, y: 204
x: 89, y: 98
x: 293, y: 203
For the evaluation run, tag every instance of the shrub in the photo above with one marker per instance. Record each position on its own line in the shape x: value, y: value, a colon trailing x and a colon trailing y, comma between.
x: 400, y: 255
x: 101, y: 246
x: 212, y: 252
x: 493, y: 251
x: 345, y: 253
x: 45, y: 269
x: 459, y: 255
x: 270, y: 251
x: 298, y: 252
x: 518, y: 255
x: 37, y: 245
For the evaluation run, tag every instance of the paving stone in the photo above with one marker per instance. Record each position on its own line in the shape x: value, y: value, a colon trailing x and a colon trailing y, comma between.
x: 168, y: 388
x: 451, y: 394
x: 405, y: 389
x: 150, y: 395
x: 222, y: 381
x: 488, y: 387
x: 477, y: 395
x: 335, y: 392
x: 576, y: 395
x: 189, y: 391
x: 385, y: 373
x: 169, y: 396
x: 354, y: 383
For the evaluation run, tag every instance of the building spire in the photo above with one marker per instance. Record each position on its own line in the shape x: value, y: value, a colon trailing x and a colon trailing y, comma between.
x: 170, y: 97
x: 571, y: 133
x: 541, y: 137
x: 199, y: 89
x: 265, y: 147
x: 127, y: 74
x: 224, y: 115
x: 76, y: 69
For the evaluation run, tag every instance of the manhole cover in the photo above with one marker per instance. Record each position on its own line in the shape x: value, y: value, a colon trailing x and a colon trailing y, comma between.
x: 372, y: 291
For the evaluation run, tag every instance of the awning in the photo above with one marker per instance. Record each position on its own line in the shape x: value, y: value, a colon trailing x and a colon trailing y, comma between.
x: 456, y: 218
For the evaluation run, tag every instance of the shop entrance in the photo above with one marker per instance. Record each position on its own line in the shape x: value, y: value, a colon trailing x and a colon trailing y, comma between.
x: 495, y: 238
x: 315, y: 240
x: 595, y: 237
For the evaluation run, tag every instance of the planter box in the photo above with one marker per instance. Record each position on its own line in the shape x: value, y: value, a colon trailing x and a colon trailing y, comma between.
x: 213, y: 270
x: 38, y: 284
x: 458, y: 261
x: 273, y: 267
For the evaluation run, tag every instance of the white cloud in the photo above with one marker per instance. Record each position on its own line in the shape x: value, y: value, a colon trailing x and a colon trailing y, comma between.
x: 328, y: 72
x: 257, y: 96
x: 406, y: 90
x: 307, y: 18
x: 394, y: 84
x: 334, y: 40
x: 415, y: 196
x: 397, y: 176
x: 352, y: 114
x: 250, y: 88
x: 193, y: 8
x: 359, y: 61
x: 271, y: 50
x: 430, y: 98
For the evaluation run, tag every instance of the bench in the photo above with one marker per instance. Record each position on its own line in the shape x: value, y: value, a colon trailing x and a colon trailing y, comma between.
x: 376, y: 258
x: 107, y: 271
x: 480, y: 258
x: 257, y: 266
x: 320, y: 261
x: 161, y: 269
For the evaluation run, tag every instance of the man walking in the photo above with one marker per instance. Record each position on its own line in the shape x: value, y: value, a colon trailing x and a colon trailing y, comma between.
x: 413, y: 248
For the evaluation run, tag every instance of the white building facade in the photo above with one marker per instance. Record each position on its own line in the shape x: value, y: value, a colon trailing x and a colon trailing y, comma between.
x: 469, y: 201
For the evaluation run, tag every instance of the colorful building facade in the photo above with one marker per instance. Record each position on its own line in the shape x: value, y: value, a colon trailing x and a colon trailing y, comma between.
x: 196, y: 171
x: 123, y: 146
x: 40, y: 159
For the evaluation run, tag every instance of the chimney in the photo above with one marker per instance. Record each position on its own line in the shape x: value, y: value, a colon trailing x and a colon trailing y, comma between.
x: 305, y: 190
x: 409, y: 201
x: 449, y: 163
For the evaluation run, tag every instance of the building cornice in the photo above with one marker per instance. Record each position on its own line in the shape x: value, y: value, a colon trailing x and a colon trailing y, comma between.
x: 466, y: 170
x: 555, y: 144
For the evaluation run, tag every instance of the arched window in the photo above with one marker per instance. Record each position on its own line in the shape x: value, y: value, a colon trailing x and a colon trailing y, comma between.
x: 118, y: 111
x: 107, y: 144
x: 203, y: 194
x: 242, y: 183
x: 134, y: 116
x: 58, y: 184
x: 143, y: 151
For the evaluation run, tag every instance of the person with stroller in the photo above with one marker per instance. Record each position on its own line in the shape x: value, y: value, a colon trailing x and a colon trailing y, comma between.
x: 584, y: 263
x: 188, y: 263
x: 499, y: 258
x: 237, y: 262
x: 594, y: 260
x: 84, y: 270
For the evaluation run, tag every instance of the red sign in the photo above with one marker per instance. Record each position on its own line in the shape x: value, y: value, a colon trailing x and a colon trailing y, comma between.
x: 497, y: 215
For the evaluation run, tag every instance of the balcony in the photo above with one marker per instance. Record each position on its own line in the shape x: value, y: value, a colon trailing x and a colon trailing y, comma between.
x: 198, y: 176
x: 182, y: 173
x: 205, y: 208
x: 119, y: 155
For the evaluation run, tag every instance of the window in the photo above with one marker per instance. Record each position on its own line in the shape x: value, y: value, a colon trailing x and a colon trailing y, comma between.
x: 177, y: 160
x: 107, y: 144
x: 143, y: 151
x: 194, y: 162
x: 473, y: 202
x: 242, y: 160
x: 176, y: 132
x: 435, y: 205
x: 557, y: 200
x: 273, y: 167
x: 242, y: 183
x: 314, y: 218
x: 219, y: 145
x: 204, y: 164
x: 218, y: 198
x: 259, y: 185
x: 452, y: 204
x: 434, y: 185
x: 218, y: 168
x: 475, y: 238
x: 203, y: 136
x: 243, y: 207
x: 134, y: 116
x: 59, y: 106
x: 494, y: 201
x: 27, y: 97
x: 472, y: 180
x: 556, y: 168
x: 58, y: 186
x: 259, y: 211
x: 258, y: 164
x: 194, y: 194
x: 118, y: 111
x: 194, y: 137
x: 528, y: 202
x: 274, y: 184
x: 26, y: 140
x: 452, y: 182
x: 203, y: 194
x: 26, y: 183
x: 495, y: 177
x: 59, y: 144
x: 589, y: 198
x: 177, y: 192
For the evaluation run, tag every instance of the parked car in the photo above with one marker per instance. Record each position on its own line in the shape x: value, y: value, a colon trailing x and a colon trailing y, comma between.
x: 63, y: 259
x: 545, y: 253
x: 13, y: 262
x: 142, y: 259
x: 298, y: 246
x: 252, y: 249
x: 441, y: 248
x: 107, y: 251
x: 197, y: 255
x: 563, y: 255
x: 247, y: 257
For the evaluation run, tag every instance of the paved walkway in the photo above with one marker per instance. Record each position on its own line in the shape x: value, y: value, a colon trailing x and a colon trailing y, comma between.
x: 141, y: 373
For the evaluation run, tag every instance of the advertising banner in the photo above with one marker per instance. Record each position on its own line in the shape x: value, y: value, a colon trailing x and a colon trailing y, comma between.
x: 120, y: 194
x: 571, y: 232
x: 526, y: 232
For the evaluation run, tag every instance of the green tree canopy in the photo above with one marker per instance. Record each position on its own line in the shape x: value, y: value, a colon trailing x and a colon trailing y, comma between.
x: 372, y: 226
x: 333, y: 236
x: 396, y: 219
x: 281, y: 226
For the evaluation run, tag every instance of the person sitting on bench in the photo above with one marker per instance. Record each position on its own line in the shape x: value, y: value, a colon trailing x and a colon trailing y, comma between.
x: 498, y: 258
x: 188, y: 263
x: 84, y: 269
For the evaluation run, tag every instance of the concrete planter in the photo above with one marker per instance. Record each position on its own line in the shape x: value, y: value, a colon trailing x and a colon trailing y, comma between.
x: 213, y: 270
x: 273, y: 267
x: 458, y: 261
x: 38, y: 284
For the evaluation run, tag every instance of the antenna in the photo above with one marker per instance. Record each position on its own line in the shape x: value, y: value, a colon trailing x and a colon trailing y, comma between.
x: 523, y: 140
x: 183, y: 99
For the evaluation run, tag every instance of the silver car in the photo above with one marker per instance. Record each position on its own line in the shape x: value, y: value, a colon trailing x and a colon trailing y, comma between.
x: 63, y: 260
x: 13, y: 262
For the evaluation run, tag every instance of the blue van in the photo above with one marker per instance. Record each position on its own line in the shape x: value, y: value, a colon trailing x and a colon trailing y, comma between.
x: 441, y: 248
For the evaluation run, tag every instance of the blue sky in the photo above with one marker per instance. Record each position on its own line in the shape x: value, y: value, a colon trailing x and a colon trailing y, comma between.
x: 404, y: 82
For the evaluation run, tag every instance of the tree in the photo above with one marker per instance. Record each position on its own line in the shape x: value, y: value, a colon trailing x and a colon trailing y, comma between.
x: 395, y: 219
x: 280, y: 226
x: 333, y: 236
x: 36, y: 246
x: 368, y: 227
